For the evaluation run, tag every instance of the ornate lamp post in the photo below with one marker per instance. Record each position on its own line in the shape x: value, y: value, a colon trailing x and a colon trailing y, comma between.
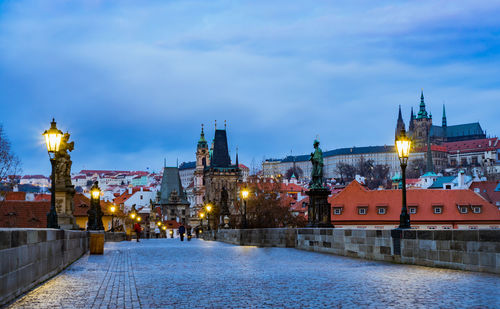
x: 112, y: 209
x: 208, y: 208
x: 202, y: 215
x: 95, y: 211
x: 53, y: 138
x: 403, y: 145
x: 244, y: 195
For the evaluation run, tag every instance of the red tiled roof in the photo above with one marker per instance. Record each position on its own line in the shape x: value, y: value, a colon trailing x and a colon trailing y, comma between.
x: 243, y: 166
x: 42, y: 197
x: 355, y: 195
x: 15, y: 196
x: 473, y: 145
x: 487, y: 190
x: 24, y: 214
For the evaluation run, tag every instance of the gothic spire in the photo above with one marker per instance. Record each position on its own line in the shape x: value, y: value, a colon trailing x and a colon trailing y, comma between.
x: 237, y: 163
x: 400, y: 124
x: 412, y: 117
x: 422, y: 113
x: 444, y: 118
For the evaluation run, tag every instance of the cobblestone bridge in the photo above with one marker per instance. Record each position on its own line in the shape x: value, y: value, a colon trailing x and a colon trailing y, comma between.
x: 162, y: 273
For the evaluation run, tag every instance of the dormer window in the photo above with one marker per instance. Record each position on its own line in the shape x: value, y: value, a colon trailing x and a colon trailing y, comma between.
x: 382, y: 210
x: 337, y: 209
x: 463, y: 209
x: 362, y: 210
x: 438, y: 209
x: 476, y: 209
x: 412, y: 210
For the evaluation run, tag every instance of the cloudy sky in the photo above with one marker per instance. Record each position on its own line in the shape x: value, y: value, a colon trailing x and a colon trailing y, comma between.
x: 133, y: 80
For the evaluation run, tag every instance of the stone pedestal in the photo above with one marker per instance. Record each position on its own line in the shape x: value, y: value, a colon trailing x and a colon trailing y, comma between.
x: 319, y: 210
x: 65, y: 207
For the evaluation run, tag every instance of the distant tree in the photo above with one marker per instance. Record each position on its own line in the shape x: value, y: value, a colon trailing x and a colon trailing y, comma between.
x: 267, y: 208
x: 297, y: 171
x: 416, y: 168
x: 346, y: 171
x: 379, y: 177
x: 10, y: 165
x: 365, y: 168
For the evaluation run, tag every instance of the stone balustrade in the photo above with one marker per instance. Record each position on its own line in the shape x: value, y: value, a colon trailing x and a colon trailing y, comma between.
x: 475, y: 250
x: 31, y: 256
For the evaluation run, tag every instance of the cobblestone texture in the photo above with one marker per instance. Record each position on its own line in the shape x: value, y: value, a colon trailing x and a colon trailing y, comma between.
x: 164, y: 273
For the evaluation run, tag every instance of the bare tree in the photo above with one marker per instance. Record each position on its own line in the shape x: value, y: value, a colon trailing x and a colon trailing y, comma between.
x: 346, y: 171
x: 416, y: 168
x: 297, y: 171
x: 10, y: 165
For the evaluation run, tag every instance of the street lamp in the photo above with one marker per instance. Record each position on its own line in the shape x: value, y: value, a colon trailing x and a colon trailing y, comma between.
x: 244, y: 195
x: 113, y: 209
x: 208, y: 208
x: 403, y: 145
x: 53, y: 137
x: 95, y: 211
x: 202, y: 215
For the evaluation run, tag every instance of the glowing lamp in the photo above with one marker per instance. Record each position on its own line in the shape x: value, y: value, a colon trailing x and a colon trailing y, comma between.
x: 208, y: 207
x: 112, y: 208
x: 245, y: 194
x: 403, y: 145
x: 53, y: 137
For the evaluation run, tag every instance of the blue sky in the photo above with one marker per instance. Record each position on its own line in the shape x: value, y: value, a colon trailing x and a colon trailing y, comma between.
x: 133, y: 80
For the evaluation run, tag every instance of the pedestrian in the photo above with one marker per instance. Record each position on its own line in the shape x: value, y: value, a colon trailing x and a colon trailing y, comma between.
x: 182, y: 230
x: 137, y: 229
x: 157, y: 232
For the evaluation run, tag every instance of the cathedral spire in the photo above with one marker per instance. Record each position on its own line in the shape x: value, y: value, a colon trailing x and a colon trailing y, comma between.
x: 422, y: 113
x: 400, y: 124
x: 410, y: 125
x: 202, y: 142
x: 237, y: 163
x: 444, y: 118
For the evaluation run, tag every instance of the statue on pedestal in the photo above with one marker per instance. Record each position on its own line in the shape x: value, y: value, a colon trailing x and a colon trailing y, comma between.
x: 317, y: 167
x: 65, y: 190
x: 319, y: 207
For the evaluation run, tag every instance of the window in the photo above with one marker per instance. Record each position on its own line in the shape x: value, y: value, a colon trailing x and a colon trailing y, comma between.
x: 141, y: 197
x: 362, y: 211
x: 337, y: 211
x: 413, y: 210
x: 476, y: 209
x: 463, y: 209
x: 447, y: 187
x: 438, y: 210
x: 447, y: 227
x: 381, y: 211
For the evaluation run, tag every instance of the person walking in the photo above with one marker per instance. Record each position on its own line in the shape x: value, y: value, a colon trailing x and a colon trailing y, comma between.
x: 157, y: 232
x: 137, y: 229
x: 182, y: 230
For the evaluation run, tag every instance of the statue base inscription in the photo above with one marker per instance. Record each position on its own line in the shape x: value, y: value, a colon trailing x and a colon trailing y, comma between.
x: 319, y: 210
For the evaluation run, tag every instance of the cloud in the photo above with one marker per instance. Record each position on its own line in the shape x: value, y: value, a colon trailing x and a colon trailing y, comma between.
x: 135, y: 80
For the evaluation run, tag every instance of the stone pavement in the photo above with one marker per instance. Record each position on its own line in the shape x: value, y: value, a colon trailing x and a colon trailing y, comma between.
x: 167, y: 273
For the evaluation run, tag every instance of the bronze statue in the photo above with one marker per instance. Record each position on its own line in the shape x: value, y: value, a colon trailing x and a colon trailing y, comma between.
x: 317, y: 167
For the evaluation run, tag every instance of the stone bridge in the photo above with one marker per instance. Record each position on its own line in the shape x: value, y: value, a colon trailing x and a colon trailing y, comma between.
x: 164, y: 273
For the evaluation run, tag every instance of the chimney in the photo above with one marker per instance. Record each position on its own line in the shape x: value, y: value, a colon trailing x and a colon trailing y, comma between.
x: 461, y: 180
x: 141, y: 189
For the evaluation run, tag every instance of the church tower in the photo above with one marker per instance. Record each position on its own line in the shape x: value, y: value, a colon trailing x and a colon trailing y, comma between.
x: 421, y: 124
x: 202, y: 161
x: 444, y: 125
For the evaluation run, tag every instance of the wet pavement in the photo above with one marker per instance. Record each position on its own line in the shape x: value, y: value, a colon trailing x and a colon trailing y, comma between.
x: 168, y: 273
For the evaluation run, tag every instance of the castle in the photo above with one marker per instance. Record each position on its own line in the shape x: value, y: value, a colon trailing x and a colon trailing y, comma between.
x: 421, y: 128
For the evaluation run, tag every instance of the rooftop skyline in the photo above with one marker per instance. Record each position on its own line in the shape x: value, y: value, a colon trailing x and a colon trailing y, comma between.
x: 133, y: 82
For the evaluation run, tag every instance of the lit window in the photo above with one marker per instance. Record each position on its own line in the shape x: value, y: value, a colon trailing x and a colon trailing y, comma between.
x: 476, y: 209
x: 362, y: 211
x: 438, y: 210
x: 413, y: 210
x: 463, y: 209
x: 381, y: 211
